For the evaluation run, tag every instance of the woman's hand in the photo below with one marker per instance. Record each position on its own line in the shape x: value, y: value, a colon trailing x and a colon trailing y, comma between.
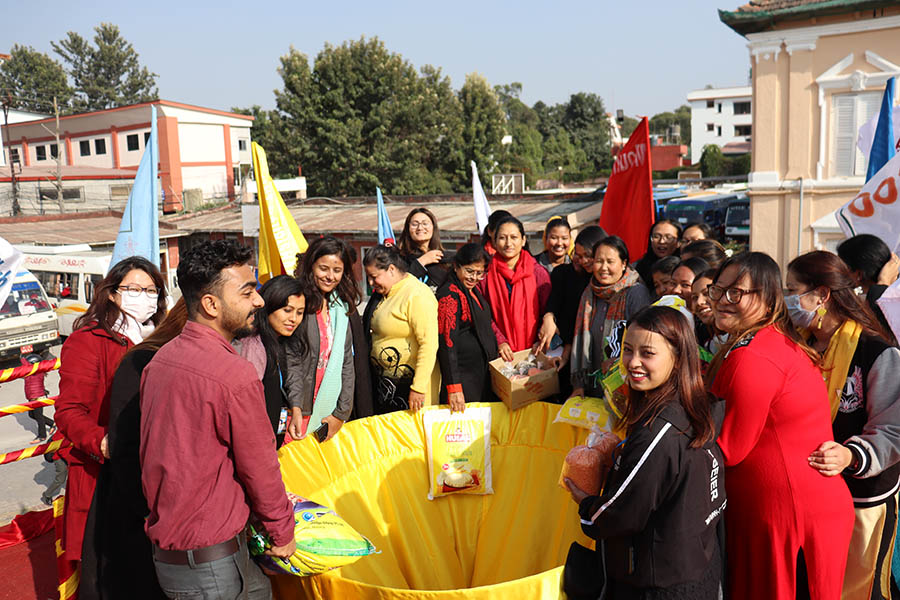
x: 104, y: 446
x: 430, y: 257
x: 577, y: 393
x: 334, y: 425
x: 545, y: 333
x: 506, y: 352
x: 457, y: 401
x: 830, y: 459
x: 416, y: 400
x: 295, y: 429
x: 564, y: 357
x: 889, y: 271
x: 578, y: 494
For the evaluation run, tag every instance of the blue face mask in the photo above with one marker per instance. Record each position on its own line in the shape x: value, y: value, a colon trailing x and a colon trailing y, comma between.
x: 800, y: 317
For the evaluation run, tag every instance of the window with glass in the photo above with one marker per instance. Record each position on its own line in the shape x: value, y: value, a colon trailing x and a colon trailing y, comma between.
x: 59, y: 286
x: 850, y: 112
x: 99, y: 146
x: 742, y: 108
x: 710, y: 103
x: 742, y: 130
x: 133, y: 142
x: 24, y: 298
x: 40, y: 152
x: 84, y: 147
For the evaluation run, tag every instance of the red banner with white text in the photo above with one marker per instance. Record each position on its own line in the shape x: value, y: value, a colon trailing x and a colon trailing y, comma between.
x: 628, y: 203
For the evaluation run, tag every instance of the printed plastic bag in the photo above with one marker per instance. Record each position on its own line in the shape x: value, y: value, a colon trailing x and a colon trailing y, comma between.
x: 459, y: 451
x: 324, y: 542
x: 585, y: 412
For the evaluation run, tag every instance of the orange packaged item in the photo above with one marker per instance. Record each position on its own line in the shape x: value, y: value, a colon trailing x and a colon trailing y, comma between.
x: 583, y: 466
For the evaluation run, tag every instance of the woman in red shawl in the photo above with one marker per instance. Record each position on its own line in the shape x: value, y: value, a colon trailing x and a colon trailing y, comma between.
x: 787, y: 527
x: 517, y: 288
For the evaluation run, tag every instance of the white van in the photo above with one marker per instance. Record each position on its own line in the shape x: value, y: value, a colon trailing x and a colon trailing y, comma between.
x: 27, y: 321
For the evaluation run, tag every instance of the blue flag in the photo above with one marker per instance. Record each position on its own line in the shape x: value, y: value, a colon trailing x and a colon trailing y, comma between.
x: 385, y: 233
x: 139, y: 231
x: 883, y: 144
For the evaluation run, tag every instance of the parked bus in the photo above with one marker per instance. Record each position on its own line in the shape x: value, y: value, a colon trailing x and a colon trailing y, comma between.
x: 68, y: 274
x: 27, y: 321
x: 737, y: 219
x: 704, y: 209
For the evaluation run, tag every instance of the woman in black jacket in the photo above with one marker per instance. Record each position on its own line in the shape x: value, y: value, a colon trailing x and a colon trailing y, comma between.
x: 466, y: 341
x: 657, y: 513
x: 123, y: 552
x: 420, y: 244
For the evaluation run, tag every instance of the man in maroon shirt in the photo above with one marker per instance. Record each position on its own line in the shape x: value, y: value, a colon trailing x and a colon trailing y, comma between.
x: 207, y: 450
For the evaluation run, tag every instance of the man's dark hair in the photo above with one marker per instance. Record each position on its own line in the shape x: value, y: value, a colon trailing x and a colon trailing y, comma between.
x: 200, y: 269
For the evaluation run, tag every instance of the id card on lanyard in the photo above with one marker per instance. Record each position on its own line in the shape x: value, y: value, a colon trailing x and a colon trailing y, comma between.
x: 282, y: 418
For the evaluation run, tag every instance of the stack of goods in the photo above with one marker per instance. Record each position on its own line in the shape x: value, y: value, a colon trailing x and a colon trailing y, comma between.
x: 586, y: 466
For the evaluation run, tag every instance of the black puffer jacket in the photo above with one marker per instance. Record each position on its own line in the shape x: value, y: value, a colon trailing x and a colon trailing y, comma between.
x: 661, y: 504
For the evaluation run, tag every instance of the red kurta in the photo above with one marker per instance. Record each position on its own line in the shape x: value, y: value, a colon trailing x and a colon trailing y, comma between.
x: 89, y: 359
x: 776, y: 414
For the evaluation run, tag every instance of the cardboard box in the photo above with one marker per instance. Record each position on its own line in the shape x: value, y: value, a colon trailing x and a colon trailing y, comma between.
x: 523, y: 391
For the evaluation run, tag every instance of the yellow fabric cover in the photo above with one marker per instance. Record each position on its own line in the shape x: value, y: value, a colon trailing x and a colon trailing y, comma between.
x: 836, y: 363
x: 374, y: 474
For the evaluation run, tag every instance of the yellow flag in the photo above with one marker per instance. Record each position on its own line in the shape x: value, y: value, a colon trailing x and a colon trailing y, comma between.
x: 280, y: 239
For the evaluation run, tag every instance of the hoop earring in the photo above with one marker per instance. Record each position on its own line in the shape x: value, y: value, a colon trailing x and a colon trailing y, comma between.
x: 821, y: 314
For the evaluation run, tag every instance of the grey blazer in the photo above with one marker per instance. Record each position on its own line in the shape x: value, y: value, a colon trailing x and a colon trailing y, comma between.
x: 300, y: 375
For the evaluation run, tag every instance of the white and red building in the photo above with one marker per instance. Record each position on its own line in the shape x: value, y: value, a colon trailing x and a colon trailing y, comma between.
x: 201, y: 150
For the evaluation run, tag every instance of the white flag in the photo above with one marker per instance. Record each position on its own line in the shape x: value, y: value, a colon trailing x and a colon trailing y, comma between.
x: 10, y: 261
x: 867, y: 133
x: 889, y: 303
x: 875, y: 209
x: 482, y: 208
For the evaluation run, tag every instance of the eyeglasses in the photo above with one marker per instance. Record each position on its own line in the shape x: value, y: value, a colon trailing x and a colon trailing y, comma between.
x: 473, y: 273
x: 134, y: 291
x: 658, y: 237
x: 732, y: 295
x: 420, y: 225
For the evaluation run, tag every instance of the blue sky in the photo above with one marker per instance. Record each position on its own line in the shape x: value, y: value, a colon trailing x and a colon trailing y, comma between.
x: 643, y: 56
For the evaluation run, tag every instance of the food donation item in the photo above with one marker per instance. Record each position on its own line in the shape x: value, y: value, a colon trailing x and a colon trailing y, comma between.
x: 324, y: 542
x: 521, y: 369
x: 459, y: 451
x: 585, y: 412
x: 587, y: 465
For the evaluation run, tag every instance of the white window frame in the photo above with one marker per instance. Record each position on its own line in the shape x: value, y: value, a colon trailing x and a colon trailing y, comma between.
x: 849, y: 112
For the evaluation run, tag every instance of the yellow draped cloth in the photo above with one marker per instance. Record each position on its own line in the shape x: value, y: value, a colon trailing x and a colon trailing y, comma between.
x: 508, y: 546
x: 836, y: 363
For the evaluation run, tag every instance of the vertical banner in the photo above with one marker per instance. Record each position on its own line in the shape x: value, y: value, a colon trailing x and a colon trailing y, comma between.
x: 10, y: 261
x: 628, y: 203
x: 280, y: 239
x: 482, y: 208
x: 385, y: 232
x: 139, y: 231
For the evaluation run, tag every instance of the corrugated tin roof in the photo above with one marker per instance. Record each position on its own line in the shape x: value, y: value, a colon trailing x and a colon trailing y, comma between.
x: 94, y: 230
x: 453, y: 217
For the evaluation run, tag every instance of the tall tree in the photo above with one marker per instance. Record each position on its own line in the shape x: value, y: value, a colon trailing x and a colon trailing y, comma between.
x: 106, y: 74
x: 660, y: 123
x: 584, y: 118
x: 33, y: 79
x: 524, y: 154
x: 483, y: 123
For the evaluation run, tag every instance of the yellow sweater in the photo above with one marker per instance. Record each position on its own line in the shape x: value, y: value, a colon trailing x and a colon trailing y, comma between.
x: 405, y: 336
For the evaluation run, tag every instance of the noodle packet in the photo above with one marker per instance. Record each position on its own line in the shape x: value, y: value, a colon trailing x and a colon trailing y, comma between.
x: 458, y: 449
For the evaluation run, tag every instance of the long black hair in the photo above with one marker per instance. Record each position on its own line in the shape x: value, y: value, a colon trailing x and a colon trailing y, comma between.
x: 105, y: 312
x: 347, y: 290
x: 275, y: 293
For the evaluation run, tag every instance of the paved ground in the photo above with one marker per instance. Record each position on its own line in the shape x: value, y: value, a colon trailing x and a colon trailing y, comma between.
x: 22, y: 482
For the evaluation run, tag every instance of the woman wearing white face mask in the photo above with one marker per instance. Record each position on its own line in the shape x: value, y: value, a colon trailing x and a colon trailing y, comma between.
x: 127, y: 305
x: 860, y: 368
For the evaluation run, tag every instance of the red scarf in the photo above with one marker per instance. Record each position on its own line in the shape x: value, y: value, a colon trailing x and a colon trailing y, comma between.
x: 516, y: 314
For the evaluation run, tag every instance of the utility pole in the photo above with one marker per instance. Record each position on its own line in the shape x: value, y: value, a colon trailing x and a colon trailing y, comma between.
x: 58, y: 183
x: 7, y: 103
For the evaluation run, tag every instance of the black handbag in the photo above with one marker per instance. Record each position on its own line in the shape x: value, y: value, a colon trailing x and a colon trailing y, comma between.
x: 584, y: 576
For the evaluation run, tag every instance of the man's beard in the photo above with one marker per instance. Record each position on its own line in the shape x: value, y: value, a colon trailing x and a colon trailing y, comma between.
x: 238, y: 326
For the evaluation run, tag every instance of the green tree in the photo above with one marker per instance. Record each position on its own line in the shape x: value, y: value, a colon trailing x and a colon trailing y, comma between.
x: 584, y: 118
x: 33, y: 79
x: 660, y: 123
x: 362, y: 117
x: 106, y: 74
x: 549, y: 118
x: 524, y: 154
x: 712, y: 162
x: 628, y: 126
x: 483, y: 123
x: 559, y: 151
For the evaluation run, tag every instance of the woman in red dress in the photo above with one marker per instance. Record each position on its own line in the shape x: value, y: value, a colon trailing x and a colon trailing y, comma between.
x: 788, y: 527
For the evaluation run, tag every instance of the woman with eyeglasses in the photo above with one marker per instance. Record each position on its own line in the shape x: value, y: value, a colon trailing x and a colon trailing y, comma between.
x: 709, y: 336
x: 615, y: 293
x: 466, y: 342
x: 557, y: 237
x: 420, y: 244
x: 127, y: 305
x: 788, y: 528
x: 665, y: 236
x: 567, y: 283
x: 860, y: 365
x: 517, y: 288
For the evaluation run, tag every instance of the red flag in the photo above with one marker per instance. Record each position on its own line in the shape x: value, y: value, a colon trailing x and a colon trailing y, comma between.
x: 628, y: 204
